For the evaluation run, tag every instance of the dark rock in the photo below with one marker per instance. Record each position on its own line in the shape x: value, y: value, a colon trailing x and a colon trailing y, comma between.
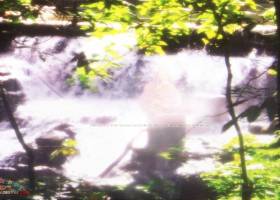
x: 66, y: 128
x: 5, y: 41
x: 14, y: 95
x: 12, y: 85
x: 47, y: 144
x: 192, y: 41
x: 226, y: 157
x: 162, y: 138
x: 42, y: 157
x: 55, y: 136
x: 13, y: 160
x: 193, y: 188
x: 20, y: 29
x: 104, y: 120
x: 174, y: 188
x: 143, y: 161
x: 60, y: 46
x: 51, y: 141
x: 263, y: 128
x: 240, y: 43
x: 22, y: 172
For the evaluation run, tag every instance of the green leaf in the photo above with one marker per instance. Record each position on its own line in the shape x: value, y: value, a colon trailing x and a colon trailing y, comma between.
x: 69, y: 143
x: 54, y: 154
x: 269, y: 14
x: 166, y: 155
x: 272, y: 72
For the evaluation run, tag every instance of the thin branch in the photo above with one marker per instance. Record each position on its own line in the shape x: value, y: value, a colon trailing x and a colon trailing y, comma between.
x: 28, y: 150
x: 248, y: 83
x: 277, y: 9
x: 246, y: 188
x: 120, y: 158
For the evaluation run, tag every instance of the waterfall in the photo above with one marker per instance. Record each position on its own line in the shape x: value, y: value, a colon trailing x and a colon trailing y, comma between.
x: 187, y: 87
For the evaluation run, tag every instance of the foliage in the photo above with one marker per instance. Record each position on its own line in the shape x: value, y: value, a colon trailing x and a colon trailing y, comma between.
x: 160, y: 189
x: 221, y: 17
x: 97, y: 67
x: 158, y: 19
x: 17, y: 10
x: 253, y: 112
x: 263, y: 162
x: 155, y: 21
x: 105, y: 18
x: 68, y: 148
x: 174, y: 153
x: 269, y: 15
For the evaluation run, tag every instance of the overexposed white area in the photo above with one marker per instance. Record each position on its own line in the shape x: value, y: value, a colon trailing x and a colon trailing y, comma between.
x: 188, y: 86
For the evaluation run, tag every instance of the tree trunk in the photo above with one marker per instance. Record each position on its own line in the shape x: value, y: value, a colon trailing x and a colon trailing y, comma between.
x: 246, y: 187
x: 277, y: 9
x: 28, y: 150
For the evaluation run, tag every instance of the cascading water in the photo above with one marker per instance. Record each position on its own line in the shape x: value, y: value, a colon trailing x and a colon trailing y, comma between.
x: 147, y: 90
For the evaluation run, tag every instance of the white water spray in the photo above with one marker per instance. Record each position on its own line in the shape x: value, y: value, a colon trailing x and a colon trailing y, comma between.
x: 188, y: 85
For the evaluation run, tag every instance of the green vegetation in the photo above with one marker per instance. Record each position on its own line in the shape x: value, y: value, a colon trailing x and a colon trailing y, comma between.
x: 97, y: 66
x: 17, y: 10
x: 155, y: 21
x: 157, y: 24
x: 263, y: 169
x: 68, y: 148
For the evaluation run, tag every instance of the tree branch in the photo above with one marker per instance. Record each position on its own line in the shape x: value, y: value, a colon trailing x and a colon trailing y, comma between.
x: 40, y: 30
x: 28, y: 150
x: 246, y: 188
x: 277, y: 9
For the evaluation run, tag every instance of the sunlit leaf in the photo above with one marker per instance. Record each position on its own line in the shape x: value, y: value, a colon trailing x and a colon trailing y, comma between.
x: 272, y: 72
x: 166, y: 155
x: 69, y: 143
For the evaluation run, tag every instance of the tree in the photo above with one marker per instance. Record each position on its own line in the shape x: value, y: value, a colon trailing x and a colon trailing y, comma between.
x: 225, y: 16
x: 28, y: 150
x: 277, y: 9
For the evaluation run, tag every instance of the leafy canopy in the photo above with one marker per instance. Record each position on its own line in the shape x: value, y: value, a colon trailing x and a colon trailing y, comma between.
x: 17, y: 10
x: 155, y: 21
